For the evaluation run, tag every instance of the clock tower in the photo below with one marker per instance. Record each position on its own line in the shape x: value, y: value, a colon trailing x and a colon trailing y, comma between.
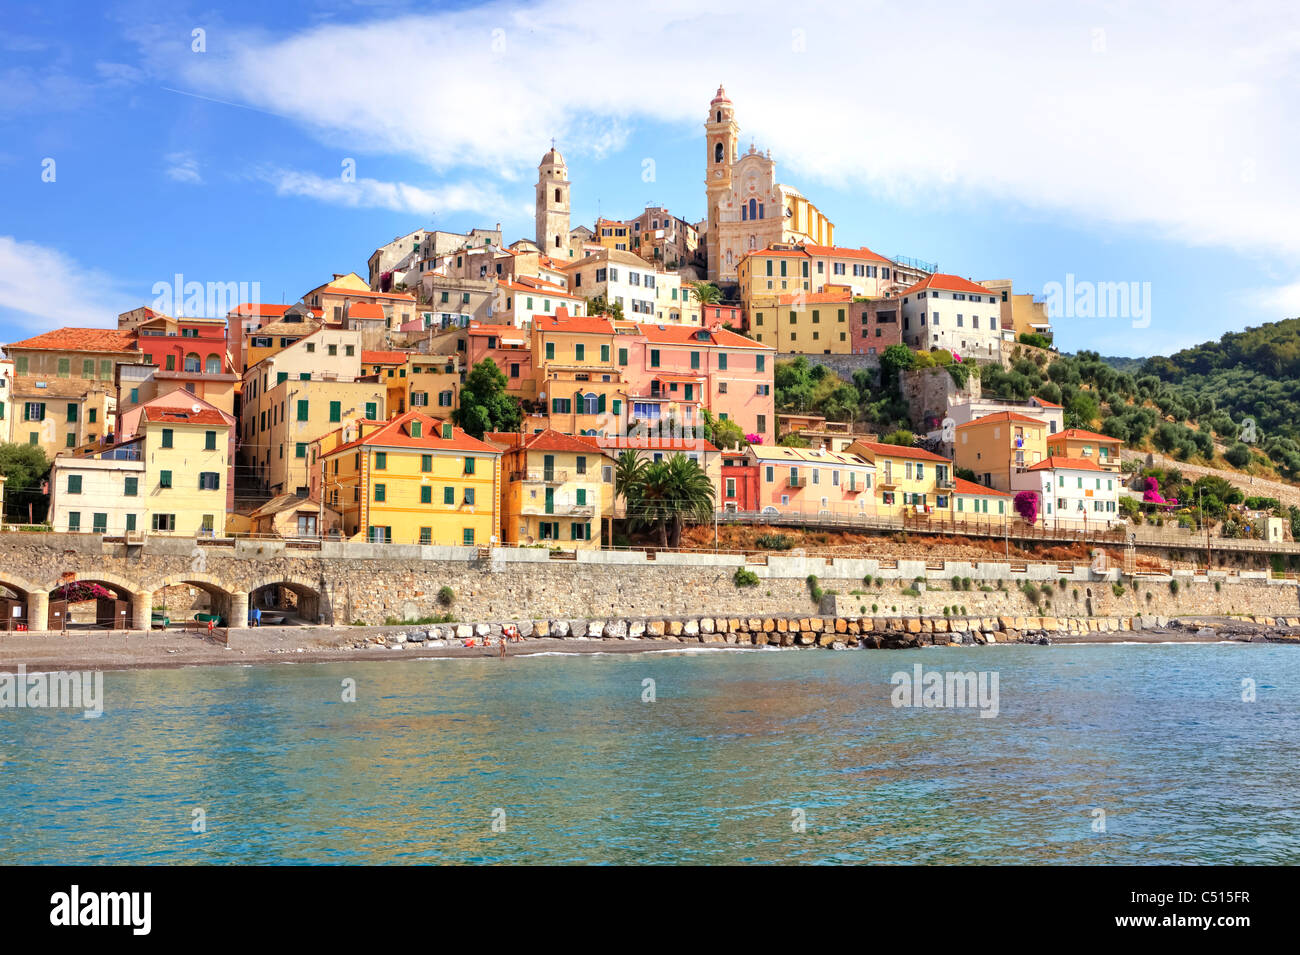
x: 721, y: 134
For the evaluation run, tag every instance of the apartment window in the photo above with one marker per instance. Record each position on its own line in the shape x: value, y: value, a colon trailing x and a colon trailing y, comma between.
x: 74, y: 483
x: 372, y: 411
x: 72, y: 412
x: 654, y: 358
x: 164, y: 479
x: 209, y: 481
x: 65, y: 367
x: 449, y: 495
x: 130, y: 522
x: 336, y: 411
x: 426, y: 463
x: 167, y: 437
x: 469, y: 495
x: 333, y: 350
x: 210, y: 441
x: 579, y: 352
x: 550, y: 351
x: 381, y: 491
x: 762, y: 423
x: 74, y: 520
x: 426, y: 494
x: 132, y: 487
x: 164, y: 522
x: 469, y: 465
x: 381, y: 461
x: 467, y: 537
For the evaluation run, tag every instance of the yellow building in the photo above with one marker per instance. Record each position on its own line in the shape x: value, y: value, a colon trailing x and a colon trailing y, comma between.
x: 577, y: 373
x: 909, y: 481
x: 975, y: 503
x: 64, y: 392
x: 766, y: 276
x: 554, y: 489
x: 1088, y: 445
x: 169, y: 479
x: 816, y: 323
x: 996, y: 445
x: 411, y: 480
x: 271, y: 339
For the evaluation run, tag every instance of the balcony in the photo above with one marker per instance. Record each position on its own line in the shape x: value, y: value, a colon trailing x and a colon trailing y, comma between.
x: 945, y: 483
x: 538, y: 509
x: 539, y: 476
x: 797, y: 481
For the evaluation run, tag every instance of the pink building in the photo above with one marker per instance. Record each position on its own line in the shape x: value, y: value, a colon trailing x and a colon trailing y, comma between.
x: 677, y: 370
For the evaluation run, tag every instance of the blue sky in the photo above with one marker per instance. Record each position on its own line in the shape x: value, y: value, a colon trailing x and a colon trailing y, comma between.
x: 1149, y: 144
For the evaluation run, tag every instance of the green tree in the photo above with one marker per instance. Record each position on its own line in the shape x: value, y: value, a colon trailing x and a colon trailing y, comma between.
x: 894, y: 359
x: 24, y: 467
x: 670, y: 492
x: 629, y: 469
x: 1238, y: 455
x: 707, y: 293
x: 484, y: 404
x: 599, y: 305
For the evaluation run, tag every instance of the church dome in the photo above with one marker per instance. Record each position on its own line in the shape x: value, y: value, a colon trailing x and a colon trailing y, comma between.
x: 552, y: 158
x: 720, y: 98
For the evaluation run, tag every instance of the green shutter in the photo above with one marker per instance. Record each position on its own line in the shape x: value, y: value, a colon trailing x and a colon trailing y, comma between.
x: 426, y: 494
x: 302, y: 409
x: 449, y: 495
x: 336, y: 411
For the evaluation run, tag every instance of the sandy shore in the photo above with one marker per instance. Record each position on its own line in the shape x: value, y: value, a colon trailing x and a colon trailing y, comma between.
x: 89, y: 649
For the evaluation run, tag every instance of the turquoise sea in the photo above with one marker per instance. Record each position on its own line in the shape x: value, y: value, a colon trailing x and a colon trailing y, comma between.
x: 742, y: 757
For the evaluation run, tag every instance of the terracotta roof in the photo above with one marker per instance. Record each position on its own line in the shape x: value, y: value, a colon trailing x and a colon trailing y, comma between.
x: 897, y: 451
x: 364, y: 293
x: 1001, y: 416
x: 838, y: 295
x: 204, y: 416
x: 774, y: 452
x: 797, y: 252
x: 285, y: 328
x: 1045, y: 403
x: 1078, y: 434
x: 949, y: 283
x: 253, y: 308
x: 526, y: 283
x: 689, y: 335
x: 396, y: 433
x: 81, y: 339
x: 1052, y: 462
x: 840, y: 252
x: 384, y: 357
x: 365, y: 310
x: 962, y: 486
x: 562, y: 321
x: 548, y: 440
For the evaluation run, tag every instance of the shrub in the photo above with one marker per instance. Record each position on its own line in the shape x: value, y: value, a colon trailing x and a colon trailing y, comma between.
x: 874, y: 608
x: 912, y: 592
x: 956, y: 583
x: 446, y: 596
x: 963, y: 610
x: 814, y: 591
x: 1218, y: 585
x: 880, y: 581
x: 1061, y: 583
x: 1173, y: 586
x: 745, y: 578
x: 773, y: 541
x: 1117, y: 589
x: 1031, y: 593
x: 965, y: 583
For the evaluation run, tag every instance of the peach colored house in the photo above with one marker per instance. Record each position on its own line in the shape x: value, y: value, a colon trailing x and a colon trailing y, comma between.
x: 811, y: 481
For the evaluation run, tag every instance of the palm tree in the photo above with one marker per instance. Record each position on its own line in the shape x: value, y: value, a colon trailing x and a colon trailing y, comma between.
x: 707, y: 293
x: 671, y: 492
x: 629, y: 470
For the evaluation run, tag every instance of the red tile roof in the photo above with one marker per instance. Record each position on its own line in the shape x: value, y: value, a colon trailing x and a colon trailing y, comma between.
x: 365, y: 310
x: 526, y: 283
x: 962, y: 486
x: 384, y: 357
x: 1078, y: 434
x: 205, y: 416
x: 689, y: 335
x: 396, y: 433
x: 1001, y: 416
x: 840, y: 252
x: 838, y: 294
x: 1052, y: 462
x: 548, y: 440
x: 81, y: 339
x: 364, y: 293
x: 1045, y: 403
x: 253, y: 308
x: 562, y: 321
x: 898, y: 451
x: 949, y: 283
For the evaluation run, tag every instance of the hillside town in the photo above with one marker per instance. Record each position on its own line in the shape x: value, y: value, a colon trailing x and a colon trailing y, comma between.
x: 470, y: 391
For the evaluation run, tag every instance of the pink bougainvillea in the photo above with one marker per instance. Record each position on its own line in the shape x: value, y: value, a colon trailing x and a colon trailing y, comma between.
x: 1152, y: 493
x: 754, y: 438
x: 1026, y: 505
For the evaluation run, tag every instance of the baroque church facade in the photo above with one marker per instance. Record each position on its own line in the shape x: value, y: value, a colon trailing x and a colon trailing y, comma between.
x: 748, y: 210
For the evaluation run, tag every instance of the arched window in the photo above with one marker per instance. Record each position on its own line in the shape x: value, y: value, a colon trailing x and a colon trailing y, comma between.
x: 717, y: 153
x: 744, y: 213
x: 192, y: 362
x: 557, y: 196
x: 719, y: 116
x: 213, y: 365
x: 557, y: 241
x: 589, y: 402
x: 753, y: 208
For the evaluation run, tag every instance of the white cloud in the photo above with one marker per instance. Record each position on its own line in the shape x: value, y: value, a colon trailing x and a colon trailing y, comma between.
x: 1180, y: 119
x: 1283, y: 299
x: 183, y: 167
x: 396, y: 196
x: 41, y: 288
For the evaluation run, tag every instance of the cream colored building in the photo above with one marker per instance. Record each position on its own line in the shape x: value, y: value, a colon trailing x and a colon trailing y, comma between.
x: 747, y: 208
x: 552, y: 211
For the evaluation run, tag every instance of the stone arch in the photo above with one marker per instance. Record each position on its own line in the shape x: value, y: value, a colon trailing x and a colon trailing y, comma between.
x: 311, y: 600
x: 17, y: 609
x: 140, y: 601
x: 220, y: 594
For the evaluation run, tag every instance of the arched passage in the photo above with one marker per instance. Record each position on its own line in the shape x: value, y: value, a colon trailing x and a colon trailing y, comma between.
x: 299, y: 599
x: 186, y: 594
x: 16, y: 595
x: 99, y: 600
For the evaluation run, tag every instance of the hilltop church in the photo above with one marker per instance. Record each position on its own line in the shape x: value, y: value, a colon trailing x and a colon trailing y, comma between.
x: 748, y: 209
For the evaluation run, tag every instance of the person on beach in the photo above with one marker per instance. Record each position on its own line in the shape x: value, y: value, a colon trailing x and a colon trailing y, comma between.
x: 503, y: 645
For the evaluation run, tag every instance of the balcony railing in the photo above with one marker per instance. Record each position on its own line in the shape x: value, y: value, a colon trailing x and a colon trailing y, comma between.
x: 797, y: 481
x: 539, y: 476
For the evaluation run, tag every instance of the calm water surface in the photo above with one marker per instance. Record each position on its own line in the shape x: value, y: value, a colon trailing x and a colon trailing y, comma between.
x: 586, y: 772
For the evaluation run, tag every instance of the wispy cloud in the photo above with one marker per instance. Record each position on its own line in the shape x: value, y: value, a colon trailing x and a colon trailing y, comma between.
x: 182, y: 167
x: 1180, y: 121
x: 42, y: 288
x: 365, y: 193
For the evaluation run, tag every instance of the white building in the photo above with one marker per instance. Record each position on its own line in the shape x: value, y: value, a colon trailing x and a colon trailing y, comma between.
x: 1073, y: 493
x: 645, y: 293
x: 949, y: 312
